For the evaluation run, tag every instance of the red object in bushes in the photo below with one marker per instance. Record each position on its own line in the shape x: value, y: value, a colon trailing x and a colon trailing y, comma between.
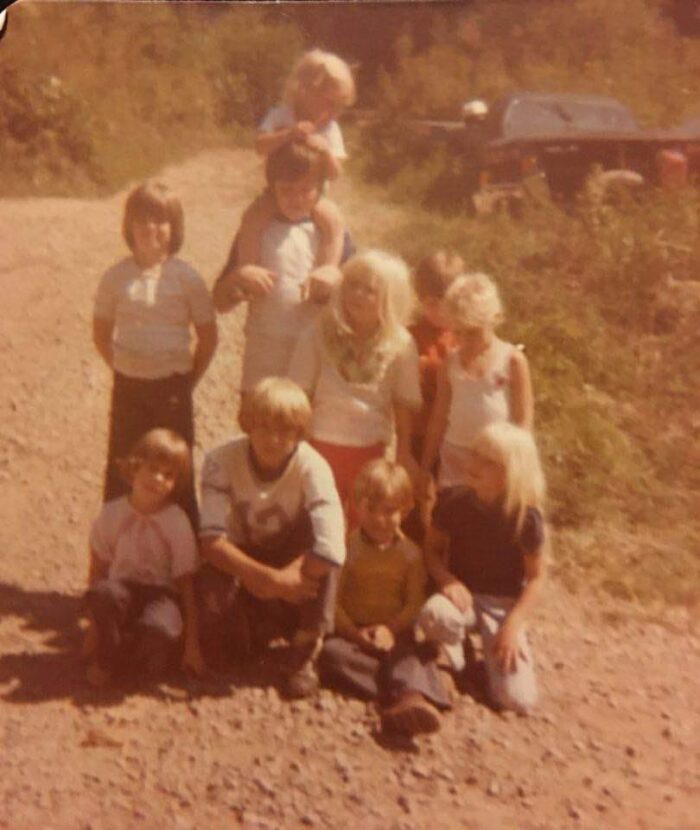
x: 672, y: 166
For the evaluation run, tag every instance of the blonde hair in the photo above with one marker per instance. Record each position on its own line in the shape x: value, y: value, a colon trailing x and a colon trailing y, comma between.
x: 389, y: 275
x: 160, y: 446
x: 316, y: 69
x: 276, y: 402
x: 156, y: 200
x: 515, y: 450
x: 473, y: 301
x: 436, y: 272
x: 383, y: 481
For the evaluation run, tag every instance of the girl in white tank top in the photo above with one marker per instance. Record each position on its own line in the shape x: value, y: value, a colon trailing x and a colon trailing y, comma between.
x: 483, y: 381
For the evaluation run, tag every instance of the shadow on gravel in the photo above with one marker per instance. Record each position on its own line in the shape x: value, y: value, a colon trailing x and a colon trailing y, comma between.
x: 41, y: 662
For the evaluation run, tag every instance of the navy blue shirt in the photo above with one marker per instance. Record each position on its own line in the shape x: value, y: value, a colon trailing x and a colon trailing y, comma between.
x: 484, y: 552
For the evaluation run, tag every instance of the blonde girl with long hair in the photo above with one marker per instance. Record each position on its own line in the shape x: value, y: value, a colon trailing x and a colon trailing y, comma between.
x: 486, y: 553
x: 483, y: 380
x: 359, y: 366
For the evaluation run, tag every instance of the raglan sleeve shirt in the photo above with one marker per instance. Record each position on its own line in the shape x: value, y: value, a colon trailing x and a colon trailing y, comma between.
x: 184, y: 556
x: 322, y: 503
x: 216, y: 495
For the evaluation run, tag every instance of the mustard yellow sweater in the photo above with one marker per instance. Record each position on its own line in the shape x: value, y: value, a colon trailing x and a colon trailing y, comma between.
x: 380, y: 585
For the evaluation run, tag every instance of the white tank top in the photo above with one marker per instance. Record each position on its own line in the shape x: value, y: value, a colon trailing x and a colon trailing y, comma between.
x: 477, y: 402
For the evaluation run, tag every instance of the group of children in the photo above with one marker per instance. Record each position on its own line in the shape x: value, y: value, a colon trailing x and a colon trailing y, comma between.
x: 305, y: 530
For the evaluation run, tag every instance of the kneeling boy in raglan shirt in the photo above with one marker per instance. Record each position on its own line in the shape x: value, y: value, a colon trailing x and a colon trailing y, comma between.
x: 272, y: 531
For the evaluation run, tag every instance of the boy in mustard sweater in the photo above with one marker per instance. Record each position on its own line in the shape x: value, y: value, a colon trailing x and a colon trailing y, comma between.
x: 380, y: 592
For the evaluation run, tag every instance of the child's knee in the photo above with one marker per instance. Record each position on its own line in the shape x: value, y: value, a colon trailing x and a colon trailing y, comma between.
x: 105, y: 599
x: 440, y: 621
x: 437, y: 614
x: 515, y: 692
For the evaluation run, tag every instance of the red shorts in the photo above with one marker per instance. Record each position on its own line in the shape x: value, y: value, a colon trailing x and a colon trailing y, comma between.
x: 346, y: 463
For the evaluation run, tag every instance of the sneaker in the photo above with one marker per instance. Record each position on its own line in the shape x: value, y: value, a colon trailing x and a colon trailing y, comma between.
x: 410, y: 714
x: 303, y: 680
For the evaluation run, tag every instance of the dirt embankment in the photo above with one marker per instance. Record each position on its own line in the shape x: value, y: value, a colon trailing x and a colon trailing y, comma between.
x: 615, y: 745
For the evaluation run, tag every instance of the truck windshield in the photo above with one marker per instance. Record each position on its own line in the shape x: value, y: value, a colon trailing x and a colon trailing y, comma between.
x: 552, y: 116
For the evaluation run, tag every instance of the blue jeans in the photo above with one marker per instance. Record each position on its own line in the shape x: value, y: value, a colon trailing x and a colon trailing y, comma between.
x: 442, y: 622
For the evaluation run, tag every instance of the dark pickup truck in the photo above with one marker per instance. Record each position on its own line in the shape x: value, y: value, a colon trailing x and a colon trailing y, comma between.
x: 561, y: 137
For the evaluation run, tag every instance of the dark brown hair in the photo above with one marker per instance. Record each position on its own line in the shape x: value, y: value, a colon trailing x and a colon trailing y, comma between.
x: 435, y: 273
x: 292, y: 161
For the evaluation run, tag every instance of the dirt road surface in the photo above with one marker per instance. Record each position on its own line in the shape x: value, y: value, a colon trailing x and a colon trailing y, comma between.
x: 614, y: 746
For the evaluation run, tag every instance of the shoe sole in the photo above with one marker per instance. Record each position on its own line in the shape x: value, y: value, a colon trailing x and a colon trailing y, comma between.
x: 412, y: 719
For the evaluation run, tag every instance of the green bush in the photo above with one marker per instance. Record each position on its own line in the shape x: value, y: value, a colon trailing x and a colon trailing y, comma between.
x: 101, y: 94
x: 623, y: 48
x: 45, y: 127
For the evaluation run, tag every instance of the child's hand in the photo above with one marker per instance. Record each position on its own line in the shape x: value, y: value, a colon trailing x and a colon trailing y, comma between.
x: 255, y: 280
x: 320, y: 283
x: 302, y: 130
x: 381, y: 637
x: 458, y: 594
x: 507, y: 648
x: 192, y: 660
x: 366, y: 641
x: 294, y: 585
x: 318, y: 142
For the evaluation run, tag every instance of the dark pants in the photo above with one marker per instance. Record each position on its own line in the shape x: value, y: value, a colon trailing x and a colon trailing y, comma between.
x: 235, y: 623
x: 141, y: 405
x: 407, y: 667
x: 137, y: 627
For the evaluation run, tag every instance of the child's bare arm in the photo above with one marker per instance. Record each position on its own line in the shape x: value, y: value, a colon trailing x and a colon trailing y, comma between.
x: 97, y: 570
x: 521, y: 396
x: 403, y: 417
x: 437, y: 423
x: 315, y: 567
x: 321, y: 282
x: 102, y: 331
x: 535, y: 566
x: 207, y: 338
x: 435, y: 561
x: 506, y: 644
x: 192, y: 659
x: 288, y: 583
x: 328, y: 219
x: 268, y: 142
x: 256, y: 218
